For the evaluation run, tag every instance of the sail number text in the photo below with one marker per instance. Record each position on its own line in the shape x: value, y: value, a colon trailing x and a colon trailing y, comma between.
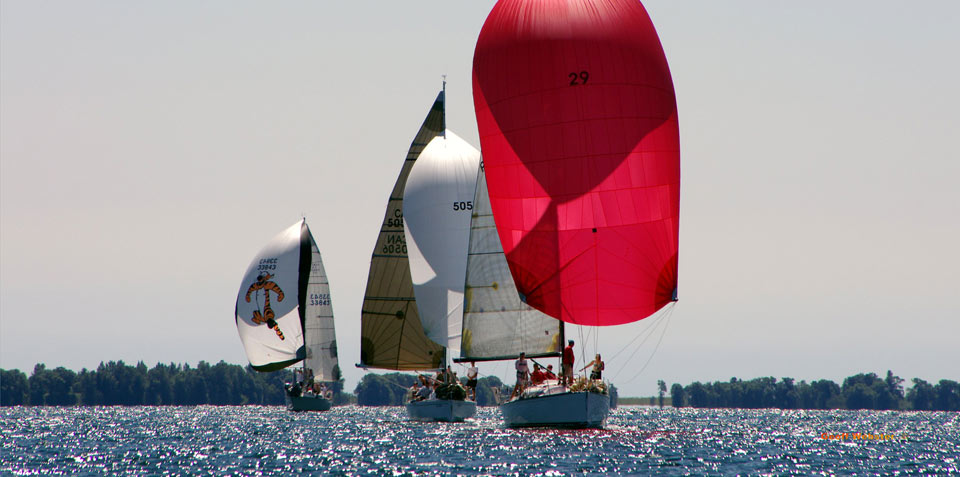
x: 396, y: 220
x: 578, y: 78
x: 395, y: 244
x: 319, y: 299
x: 468, y: 205
x: 267, y: 264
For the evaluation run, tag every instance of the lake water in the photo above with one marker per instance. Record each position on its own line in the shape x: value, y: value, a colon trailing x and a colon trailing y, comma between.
x: 254, y: 440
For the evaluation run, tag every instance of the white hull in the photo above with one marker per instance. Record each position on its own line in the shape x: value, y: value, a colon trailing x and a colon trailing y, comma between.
x: 567, y: 409
x: 308, y: 403
x: 445, y: 410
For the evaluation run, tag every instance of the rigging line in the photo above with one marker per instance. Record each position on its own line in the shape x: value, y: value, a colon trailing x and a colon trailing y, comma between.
x: 596, y: 341
x: 583, y: 347
x: 654, y: 322
x: 649, y: 332
x: 655, y: 348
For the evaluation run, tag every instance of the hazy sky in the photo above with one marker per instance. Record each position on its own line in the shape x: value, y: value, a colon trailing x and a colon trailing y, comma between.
x: 149, y: 149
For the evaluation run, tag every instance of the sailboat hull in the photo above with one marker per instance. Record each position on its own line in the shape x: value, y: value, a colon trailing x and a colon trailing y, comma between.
x: 309, y: 403
x: 444, y: 410
x: 569, y: 410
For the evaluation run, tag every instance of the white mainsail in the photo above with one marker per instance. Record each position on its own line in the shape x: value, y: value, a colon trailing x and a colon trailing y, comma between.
x: 321, y: 339
x: 496, y: 324
x: 437, y: 205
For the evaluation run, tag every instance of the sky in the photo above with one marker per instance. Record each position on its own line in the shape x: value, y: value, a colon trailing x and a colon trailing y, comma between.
x: 148, y: 151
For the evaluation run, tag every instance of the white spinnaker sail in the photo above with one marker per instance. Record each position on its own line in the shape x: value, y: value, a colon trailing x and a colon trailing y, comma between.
x: 269, y: 294
x: 437, y: 203
x: 321, y: 340
x: 496, y: 324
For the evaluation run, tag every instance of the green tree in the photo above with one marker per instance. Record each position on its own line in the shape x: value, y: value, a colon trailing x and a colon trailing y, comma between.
x: 374, y: 390
x: 922, y: 395
x: 948, y: 396
x: 59, y: 385
x: 38, y: 383
x: 487, y: 389
x: 677, y: 395
x: 661, y: 389
x: 14, y: 389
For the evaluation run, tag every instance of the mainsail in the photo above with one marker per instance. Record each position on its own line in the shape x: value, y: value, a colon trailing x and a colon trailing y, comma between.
x: 320, y: 337
x: 496, y: 324
x: 391, y: 336
x: 437, y: 205
x: 578, y: 125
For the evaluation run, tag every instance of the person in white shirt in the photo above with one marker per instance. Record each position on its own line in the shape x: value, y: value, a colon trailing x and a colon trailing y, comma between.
x: 523, y: 374
x: 472, y: 373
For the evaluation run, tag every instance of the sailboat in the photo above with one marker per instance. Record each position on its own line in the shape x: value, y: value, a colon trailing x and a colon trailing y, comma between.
x: 437, y: 204
x: 393, y: 333
x: 497, y: 325
x: 284, y: 315
x: 578, y: 125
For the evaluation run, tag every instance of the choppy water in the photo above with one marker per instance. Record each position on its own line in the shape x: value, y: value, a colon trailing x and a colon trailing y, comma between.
x: 253, y: 440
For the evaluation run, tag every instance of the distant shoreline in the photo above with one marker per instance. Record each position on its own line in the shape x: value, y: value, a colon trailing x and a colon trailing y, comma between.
x: 116, y: 383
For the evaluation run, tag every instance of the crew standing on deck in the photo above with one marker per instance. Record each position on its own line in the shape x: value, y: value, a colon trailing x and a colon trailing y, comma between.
x: 472, y: 373
x: 566, y: 365
x: 523, y: 374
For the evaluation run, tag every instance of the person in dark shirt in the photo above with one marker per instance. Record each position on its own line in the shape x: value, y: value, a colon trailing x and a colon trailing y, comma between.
x: 549, y: 374
x: 566, y: 368
x: 597, y: 372
x: 538, y: 376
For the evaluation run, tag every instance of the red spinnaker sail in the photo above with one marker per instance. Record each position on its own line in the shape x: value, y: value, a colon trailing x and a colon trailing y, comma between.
x: 578, y: 128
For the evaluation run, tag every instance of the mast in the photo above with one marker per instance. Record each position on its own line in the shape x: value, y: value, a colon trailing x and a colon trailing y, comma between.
x: 443, y: 128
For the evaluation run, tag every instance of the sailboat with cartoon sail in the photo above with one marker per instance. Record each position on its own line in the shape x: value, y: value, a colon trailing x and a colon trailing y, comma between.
x: 404, y: 323
x: 284, y: 315
x: 578, y: 125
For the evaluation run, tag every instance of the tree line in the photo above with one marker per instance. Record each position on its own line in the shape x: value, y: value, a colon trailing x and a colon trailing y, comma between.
x: 861, y: 391
x: 116, y: 383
